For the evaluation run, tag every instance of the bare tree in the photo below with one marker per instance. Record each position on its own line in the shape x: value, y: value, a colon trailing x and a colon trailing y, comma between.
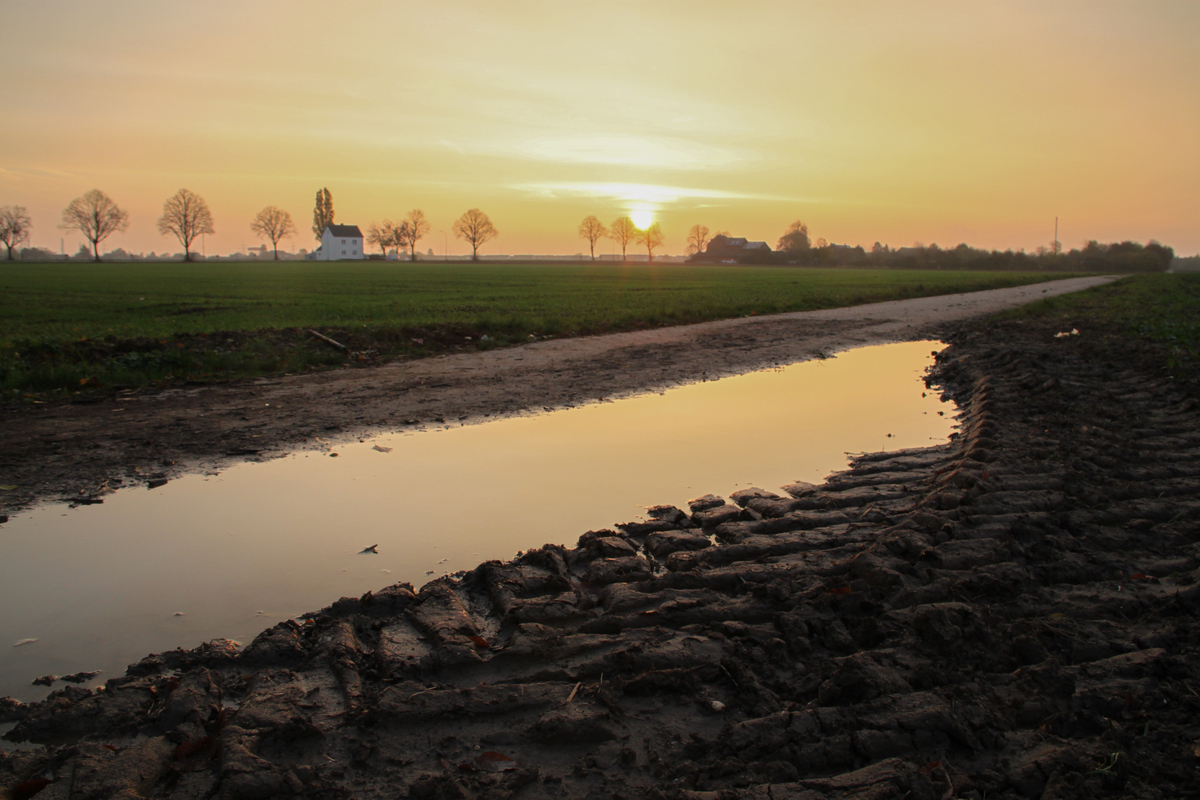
x: 416, y: 226
x: 186, y: 215
x: 652, y: 237
x: 401, y: 236
x: 622, y: 231
x: 15, y: 225
x: 593, y: 230
x: 96, y: 216
x: 697, y: 239
x: 273, y: 223
x: 476, y: 229
x: 383, y: 236
x: 794, y: 239
x: 322, y: 213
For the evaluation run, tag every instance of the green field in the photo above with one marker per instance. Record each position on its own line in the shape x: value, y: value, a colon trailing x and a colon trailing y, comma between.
x: 71, y: 326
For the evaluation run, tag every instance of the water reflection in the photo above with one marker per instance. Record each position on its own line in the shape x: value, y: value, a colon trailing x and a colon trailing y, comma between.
x: 227, y: 555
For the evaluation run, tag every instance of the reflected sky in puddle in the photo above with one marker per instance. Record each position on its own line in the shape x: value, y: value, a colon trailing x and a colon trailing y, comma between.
x: 100, y: 586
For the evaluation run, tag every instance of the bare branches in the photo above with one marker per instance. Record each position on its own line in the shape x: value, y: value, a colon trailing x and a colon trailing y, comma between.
x: 593, y: 230
x: 15, y: 225
x: 273, y: 223
x: 650, y: 238
x: 697, y: 239
x: 622, y: 231
x: 382, y: 236
x: 476, y: 229
x: 416, y: 226
x: 186, y: 215
x: 96, y: 216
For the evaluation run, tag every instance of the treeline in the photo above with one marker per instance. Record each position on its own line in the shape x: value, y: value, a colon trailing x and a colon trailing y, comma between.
x: 1092, y: 257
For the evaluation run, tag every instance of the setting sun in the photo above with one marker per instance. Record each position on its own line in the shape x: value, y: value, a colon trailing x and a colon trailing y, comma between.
x: 642, y: 217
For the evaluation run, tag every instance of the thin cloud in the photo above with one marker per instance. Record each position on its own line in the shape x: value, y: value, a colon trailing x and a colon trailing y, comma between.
x: 641, y: 192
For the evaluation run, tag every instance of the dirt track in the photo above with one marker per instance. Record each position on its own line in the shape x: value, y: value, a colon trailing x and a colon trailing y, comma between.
x: 75, y: 451
x: 1013, y: 614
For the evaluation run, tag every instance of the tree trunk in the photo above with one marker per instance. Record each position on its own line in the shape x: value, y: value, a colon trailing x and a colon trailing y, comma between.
x: 276, y: 244
x: 96, y: 249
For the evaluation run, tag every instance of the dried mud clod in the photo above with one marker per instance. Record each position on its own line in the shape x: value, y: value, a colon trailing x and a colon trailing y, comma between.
x: 1012, y: 614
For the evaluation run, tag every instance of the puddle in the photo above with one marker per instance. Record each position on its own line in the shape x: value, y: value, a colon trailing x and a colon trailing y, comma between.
x: 98, y: 587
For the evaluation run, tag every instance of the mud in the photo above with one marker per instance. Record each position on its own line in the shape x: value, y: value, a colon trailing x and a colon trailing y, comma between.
x: 1010, y: 615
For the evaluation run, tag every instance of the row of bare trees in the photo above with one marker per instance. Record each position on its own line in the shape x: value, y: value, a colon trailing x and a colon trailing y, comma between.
x: 474, y: 227
x: 97, y: 216
x: 400, y: 236
x: 623, y: 231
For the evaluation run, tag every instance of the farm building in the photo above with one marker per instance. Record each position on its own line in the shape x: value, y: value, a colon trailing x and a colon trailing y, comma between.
x: 339, y: 242
x: 723, y: 248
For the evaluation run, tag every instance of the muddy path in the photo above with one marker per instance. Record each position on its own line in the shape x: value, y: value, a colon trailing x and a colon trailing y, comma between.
x: 76, y: 452
x: 1010, y: 615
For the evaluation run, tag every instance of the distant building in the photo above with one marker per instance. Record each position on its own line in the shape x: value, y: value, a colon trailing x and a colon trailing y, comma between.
x: 733, y: 248
x: 339, y: 242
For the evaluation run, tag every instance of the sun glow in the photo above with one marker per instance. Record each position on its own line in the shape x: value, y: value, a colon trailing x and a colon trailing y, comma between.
x: 642, y: 217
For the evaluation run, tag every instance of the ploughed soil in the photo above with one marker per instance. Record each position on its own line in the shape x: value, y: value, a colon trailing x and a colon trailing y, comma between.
x: 1012, y: 614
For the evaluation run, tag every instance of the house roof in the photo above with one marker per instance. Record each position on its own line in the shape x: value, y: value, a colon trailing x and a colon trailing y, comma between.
x: 345, y: 230
x: 724, y: 243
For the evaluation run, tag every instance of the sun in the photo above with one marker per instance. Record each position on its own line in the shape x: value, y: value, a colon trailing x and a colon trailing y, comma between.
x: 642, y: 217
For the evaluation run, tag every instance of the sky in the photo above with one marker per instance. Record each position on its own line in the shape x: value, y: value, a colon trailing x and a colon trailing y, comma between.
x: 931, y: 121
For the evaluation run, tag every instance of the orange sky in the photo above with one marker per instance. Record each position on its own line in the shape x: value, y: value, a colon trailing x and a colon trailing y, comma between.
x: 929, y: 120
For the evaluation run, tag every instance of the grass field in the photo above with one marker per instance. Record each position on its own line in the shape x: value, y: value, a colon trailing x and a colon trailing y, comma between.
x: 74, y: 326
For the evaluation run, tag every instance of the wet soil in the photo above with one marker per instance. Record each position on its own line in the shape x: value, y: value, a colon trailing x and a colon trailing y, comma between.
x: 1010, y: 615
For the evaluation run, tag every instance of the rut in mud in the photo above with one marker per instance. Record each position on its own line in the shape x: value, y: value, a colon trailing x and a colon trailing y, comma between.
x: 1009, y: 615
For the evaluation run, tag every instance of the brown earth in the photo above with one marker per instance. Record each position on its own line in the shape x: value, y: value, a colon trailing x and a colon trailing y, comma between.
x: 1013, y: 614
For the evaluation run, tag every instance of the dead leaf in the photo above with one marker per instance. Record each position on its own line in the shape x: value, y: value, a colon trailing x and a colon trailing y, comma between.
x: 480, y: 642
x: 8, y: 487
x: 382, y: 449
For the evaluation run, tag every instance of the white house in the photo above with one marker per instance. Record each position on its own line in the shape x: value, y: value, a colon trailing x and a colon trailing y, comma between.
x: 339, y: 242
